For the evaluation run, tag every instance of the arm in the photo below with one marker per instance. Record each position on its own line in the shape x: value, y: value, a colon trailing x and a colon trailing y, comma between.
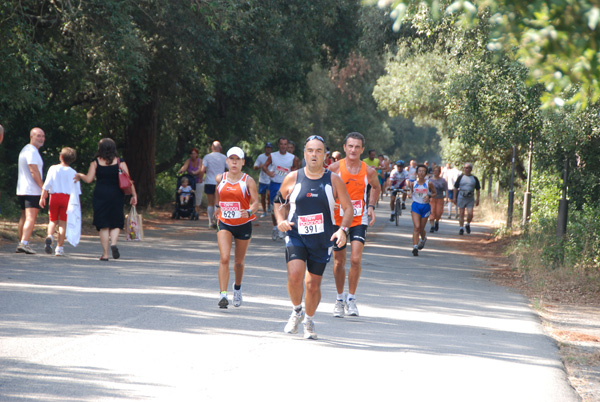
x: 184, y: 167
x: 89, y: 177
x: 374, y: 195
x: 133, y: 200
x: 432, y: 192
x: 43, y: 198
x: 217, y: 212
x: 341, y: 194
x: 265, y: 167
x: 253, y: 198
x: 35, y: 173
x: 258, y: 165
x: 285, y: 189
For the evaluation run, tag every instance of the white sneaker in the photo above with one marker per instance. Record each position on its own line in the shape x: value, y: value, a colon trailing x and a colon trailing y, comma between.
x: 352, y: 309
x: 59, y: 252
x: 237, y: 297
x: 309, y: 329
x: 339, y: 308
x: 295, y: 319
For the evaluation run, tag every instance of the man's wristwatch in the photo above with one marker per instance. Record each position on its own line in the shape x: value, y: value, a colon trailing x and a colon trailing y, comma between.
x: 371, y: 206
x: 250, y: 213
x: 345, y: 229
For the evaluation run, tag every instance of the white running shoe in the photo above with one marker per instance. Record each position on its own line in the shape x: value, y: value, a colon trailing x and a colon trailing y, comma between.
x: 339, y: 308
x: 59, y: 252
x: 352, y: 309
x: 309, y: 329
x: 237, y: 297
x: 295, y: 319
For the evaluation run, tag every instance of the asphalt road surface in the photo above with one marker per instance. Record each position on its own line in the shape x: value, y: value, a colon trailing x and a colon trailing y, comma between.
x: 147, y: 327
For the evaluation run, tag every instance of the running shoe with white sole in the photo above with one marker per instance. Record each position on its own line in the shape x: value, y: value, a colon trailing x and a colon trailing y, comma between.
x: 25, y: 248
x: 339, y: 309
x: 309, y: 329
x: 237, y: 297
x: 295, y: 319
x: 59, y: 252
x: 422, y: 243
x: 352, y: 309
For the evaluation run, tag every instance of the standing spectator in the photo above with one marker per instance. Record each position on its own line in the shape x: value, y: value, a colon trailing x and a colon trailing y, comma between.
x: 29, y: 187
x: 59, y: 184
x: 193, y: 166
x: 108, y: 199
x: 466, y: 196
x: 263, y: 179
x: 451, y: 174
x: 213, y: 165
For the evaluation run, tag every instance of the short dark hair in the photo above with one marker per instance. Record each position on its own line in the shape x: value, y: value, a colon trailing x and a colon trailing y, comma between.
x: 280, y: 139
x: 424, y: 167
x: 357, y: 136
x: 68, y: 155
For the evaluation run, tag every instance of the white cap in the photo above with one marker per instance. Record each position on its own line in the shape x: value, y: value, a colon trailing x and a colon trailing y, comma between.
x: 237, y: 151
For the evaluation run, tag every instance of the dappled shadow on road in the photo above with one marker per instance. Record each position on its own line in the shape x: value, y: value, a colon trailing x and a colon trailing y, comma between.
x: 433, y: 305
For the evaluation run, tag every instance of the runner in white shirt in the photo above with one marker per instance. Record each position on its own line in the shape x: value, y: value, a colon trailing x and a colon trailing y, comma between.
x: 263, y: 179
x: 213, y: 164
x: 278, y: 165
x: 29, y: 187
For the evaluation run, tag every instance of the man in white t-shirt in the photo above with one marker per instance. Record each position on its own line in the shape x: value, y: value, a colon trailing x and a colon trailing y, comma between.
x: 213, y: 165
x: 29, y: 187
x: 450, y: 174
x: 263, y: 179
x: 278, y: 165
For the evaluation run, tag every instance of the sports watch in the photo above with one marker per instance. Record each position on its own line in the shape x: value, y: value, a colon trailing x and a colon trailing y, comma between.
x: 345, y: 229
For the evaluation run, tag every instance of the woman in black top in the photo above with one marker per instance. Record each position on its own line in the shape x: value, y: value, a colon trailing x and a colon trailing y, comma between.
x: 108, y: 199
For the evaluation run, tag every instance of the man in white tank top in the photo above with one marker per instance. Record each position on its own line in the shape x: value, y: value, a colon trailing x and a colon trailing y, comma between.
x: 278, y: 165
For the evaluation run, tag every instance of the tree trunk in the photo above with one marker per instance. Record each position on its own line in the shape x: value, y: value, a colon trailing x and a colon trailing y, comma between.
x: 140, y: 152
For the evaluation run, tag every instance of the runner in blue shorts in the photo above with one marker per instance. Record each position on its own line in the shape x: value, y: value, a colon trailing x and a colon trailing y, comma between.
x: 310, y: 232
x: 421, y: 190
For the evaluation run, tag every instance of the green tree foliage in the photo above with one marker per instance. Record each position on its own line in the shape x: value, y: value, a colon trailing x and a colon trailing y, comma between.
x: 557, y: 40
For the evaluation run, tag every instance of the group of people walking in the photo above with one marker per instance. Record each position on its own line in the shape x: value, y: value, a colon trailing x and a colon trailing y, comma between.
x: 318, y: 206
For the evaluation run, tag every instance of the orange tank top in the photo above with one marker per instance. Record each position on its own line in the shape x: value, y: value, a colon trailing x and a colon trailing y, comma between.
x: 233, y: 199
x: 356, y: 184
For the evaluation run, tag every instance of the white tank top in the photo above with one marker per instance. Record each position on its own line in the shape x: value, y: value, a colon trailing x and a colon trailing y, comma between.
x: 281, y: 165
x: 420, y: 191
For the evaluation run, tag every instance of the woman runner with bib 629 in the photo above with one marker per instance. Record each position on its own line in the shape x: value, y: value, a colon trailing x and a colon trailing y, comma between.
x: 421, y: 191
x: 236, y: 204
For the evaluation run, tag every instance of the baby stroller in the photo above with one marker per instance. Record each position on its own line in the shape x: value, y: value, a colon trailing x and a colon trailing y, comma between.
x: 189, y: 208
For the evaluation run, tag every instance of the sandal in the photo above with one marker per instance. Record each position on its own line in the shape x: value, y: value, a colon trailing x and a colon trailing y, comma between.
x: 115, y: 252
x: 103, y: 259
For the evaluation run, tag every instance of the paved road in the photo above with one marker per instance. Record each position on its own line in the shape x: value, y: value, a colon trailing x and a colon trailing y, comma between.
x: 147, y: 327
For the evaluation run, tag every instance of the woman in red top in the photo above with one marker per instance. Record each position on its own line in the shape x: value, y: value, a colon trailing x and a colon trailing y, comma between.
x: 236, y: 201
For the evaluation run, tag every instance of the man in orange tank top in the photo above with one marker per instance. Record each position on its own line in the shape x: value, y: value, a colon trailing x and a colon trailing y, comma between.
x: 357, y: 177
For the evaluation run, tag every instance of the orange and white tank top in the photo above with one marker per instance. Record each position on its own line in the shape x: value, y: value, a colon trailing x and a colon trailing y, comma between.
x: 356, y: 184
x: 233, y: 199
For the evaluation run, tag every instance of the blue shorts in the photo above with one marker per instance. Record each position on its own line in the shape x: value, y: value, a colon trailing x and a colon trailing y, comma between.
x: 424, y: 210
x: 273, y: 189
x: 262, y: 188
x: 316, y: 258
x: 451, y: 194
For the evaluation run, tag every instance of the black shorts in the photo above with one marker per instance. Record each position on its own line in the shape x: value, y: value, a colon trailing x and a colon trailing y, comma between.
x: 29, y: 201
x: 316, y: 258
x: 210, y: 188
x: 240, y: 232
x: 357, y: 233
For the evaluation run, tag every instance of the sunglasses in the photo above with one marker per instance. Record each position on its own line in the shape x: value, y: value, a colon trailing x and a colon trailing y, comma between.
x: 315, y: 137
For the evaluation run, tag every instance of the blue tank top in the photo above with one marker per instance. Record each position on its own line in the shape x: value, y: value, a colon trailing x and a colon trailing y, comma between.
x: 311, y: 209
